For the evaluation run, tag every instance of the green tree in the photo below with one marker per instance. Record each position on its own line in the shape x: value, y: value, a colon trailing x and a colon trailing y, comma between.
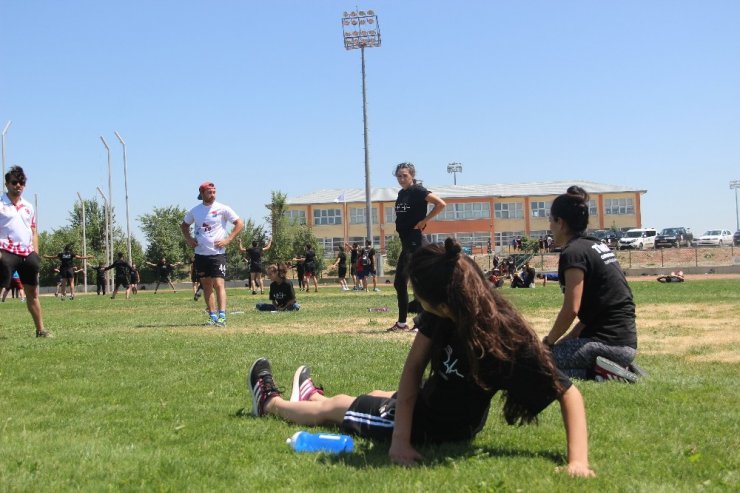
x: 392, y: 251
x: 164, y: 237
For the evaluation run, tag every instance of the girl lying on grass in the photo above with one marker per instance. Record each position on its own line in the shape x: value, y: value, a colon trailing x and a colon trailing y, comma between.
x: 477, y: 344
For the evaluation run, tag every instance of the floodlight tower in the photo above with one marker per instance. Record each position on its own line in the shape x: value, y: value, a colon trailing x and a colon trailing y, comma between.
x: 5, y: 130
x: 734, y: 185
x: 454, y: 168
x: 361, y: 30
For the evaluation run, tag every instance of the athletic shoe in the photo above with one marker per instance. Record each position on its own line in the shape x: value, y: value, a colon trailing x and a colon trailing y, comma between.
x: 606, y: 369
x: 377, y: 290
x: 220, y: 322
x: 211, y: 321
x: 261, y: 385
x: 637, y: 370
x: 398, y: 328
x: 303, y: 387
x: 43, y: 333
x: 197, y: 295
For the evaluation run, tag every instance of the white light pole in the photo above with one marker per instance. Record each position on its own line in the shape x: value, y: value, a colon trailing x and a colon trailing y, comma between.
x: 110, y: 203
x: 734, y: 185
x: 107, y: 227
x: 5, y: 130
x: 125, y: 187
x: 454, y: 168
x: 361, y: 30
x: 84, y: 243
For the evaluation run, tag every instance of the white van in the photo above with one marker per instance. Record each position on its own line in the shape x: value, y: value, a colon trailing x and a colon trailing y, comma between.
x: 638, y: 238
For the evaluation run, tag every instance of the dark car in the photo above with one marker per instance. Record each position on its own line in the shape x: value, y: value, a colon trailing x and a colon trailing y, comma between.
x: 674, y: 237
x: 736, y: 238
x: 612, y: 238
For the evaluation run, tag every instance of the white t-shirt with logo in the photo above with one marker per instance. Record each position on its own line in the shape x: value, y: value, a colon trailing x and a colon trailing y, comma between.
x: 210, y: 226
x: 17, y: 223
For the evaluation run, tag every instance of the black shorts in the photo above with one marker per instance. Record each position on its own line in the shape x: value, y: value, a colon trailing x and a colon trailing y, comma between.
x: 342, y: 272
x: 27, y: 267
x: 353, y: 269
x: 370, y: 417
x: 194, y: 277
x: 67, y: 273
x: 310, y: 269
x: 121, y: 281
x: 211, y: 265
x: 255, y: 268
x: 165, y: 279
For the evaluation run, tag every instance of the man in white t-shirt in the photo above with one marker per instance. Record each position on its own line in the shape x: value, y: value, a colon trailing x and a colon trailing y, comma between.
x: 209, y: 238
x: 19, y: 244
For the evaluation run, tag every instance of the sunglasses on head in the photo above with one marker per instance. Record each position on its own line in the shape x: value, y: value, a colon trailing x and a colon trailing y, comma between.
x: 18, y: 182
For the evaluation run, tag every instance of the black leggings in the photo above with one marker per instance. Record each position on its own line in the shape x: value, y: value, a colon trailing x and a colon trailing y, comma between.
x: 401, y: 281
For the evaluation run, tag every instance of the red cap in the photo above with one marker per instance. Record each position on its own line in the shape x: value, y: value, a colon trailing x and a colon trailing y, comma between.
x: 206, y: 185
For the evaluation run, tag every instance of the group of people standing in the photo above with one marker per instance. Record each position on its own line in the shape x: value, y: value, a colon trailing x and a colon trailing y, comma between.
x: 362, y: 262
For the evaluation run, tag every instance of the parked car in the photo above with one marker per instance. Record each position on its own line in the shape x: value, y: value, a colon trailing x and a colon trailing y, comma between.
x: 736, y: 238
x: 674, y: 237
x: 715, y: 237
x: 638, y: 238
x: 609, y: 237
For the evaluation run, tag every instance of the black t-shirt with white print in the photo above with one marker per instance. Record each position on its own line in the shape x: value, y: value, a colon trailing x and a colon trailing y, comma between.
x: 411, y: 207
x: 281, y: 293
x: 452, y: 406
x: 607, y: 308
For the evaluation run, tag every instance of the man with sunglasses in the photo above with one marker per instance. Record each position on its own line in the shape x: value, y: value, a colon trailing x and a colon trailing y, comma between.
x: 19, y: 244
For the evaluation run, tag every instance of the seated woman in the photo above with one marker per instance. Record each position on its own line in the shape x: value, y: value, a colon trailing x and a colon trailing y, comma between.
x: 476, y: 342
x: 603, y: 343
x: 282, y: 294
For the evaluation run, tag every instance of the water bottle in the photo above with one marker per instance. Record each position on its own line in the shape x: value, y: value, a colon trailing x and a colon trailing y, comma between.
x: 334, y: 443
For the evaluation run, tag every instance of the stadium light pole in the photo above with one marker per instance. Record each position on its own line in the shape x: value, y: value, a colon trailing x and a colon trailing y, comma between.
x: 5, y: 130
x: 110, y: 204
x: 361, y: 30
x: 125, y: 187
x: 734, y: 185
x: 454, y: 168
x: 107, y: 232
x: 84, y: 243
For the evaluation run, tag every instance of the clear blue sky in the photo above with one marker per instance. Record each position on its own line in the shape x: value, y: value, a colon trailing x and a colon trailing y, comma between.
x: 261, y: 96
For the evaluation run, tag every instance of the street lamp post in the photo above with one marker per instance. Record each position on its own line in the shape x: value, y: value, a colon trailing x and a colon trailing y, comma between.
x: 454, y: 168
x: 125, y: 187
x: 110, y: 204
x: 107, y: 233
x: 5, y: 130
x: 84, y: 244
x: 734, y: 185
x: 361, y: 30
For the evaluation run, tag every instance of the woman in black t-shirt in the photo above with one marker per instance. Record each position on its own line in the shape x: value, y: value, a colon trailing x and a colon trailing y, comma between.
x: 282, y: 294
x: 603, y: 342
x: 341, y: 265
x: 411, y: 220
x: 254, y: 256
x: 309, y: 268
x: 476, y: 344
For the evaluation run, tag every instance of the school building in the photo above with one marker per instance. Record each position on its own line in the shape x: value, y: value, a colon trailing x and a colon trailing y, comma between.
x: 474, y: 214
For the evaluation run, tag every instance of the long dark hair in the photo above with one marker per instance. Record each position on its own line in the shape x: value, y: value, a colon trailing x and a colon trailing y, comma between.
x: 572, y: 207
x: 409, y: 166
x: 486, y: 322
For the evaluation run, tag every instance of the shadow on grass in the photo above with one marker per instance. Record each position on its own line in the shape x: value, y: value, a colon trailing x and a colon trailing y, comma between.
x: 369, y: 453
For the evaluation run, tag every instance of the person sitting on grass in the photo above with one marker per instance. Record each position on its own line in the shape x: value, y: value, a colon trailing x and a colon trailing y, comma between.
x: 477, y: 344
x: 282, y: 293
x: 603, y: 342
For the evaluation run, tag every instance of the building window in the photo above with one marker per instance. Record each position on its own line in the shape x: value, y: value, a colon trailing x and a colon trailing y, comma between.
x: 357, y: 215
x: 509, y: 210
x: 504, y: 238
x: 296, y: 216
x: 469, y: 210
x: 540, y: 209
x: 390, y: 215
x: 327, y: 216
x: 360, y: 240
x: 618, y: 207
x: 330, y: 246
x: 473, y: 239
x: 592, y: 209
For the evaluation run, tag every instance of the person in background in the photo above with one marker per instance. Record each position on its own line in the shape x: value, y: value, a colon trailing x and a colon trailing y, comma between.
x: 19, y: 244
x: 411, y: 221
x: 341, y: 265
x: 210, y: 238
x: 282, y: 294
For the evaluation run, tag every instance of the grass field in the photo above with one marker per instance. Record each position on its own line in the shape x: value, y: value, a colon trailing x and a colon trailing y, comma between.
x: 139, y: 396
